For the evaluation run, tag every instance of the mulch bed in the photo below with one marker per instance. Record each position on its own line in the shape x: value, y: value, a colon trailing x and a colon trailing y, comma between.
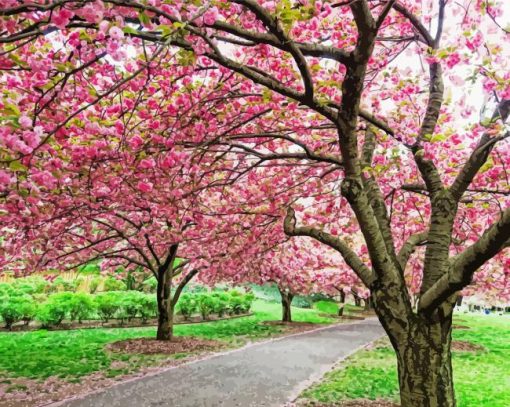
x: 150, y: 346
x: 464, y: 346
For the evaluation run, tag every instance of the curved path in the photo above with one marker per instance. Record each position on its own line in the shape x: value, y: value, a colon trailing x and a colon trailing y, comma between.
x: 262, y: 374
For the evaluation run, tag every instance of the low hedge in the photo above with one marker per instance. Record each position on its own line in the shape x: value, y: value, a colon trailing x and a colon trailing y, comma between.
x: 51, y: 310
x: 231, y: 302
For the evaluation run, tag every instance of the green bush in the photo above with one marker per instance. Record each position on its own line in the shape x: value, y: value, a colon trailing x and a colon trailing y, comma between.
x: 236, y: 302
x: 302, y: 302
x: 81, y: 307
x: 148, y: 306
x: 247, y: 302
x: 112, y: 284
x: 150, y: 285
x: 108, y: 304
x: 30, y: 285
x: 17, y: 307
x: 221, y: 303
x: 205, y: 304
x: 60, y: 284
x: 55, y: 309
x: 187, y: 305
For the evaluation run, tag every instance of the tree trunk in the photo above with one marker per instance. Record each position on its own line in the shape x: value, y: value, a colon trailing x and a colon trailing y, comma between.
x: 422, y: 344
x: 357, y: 299
x: 425, y: 371
x: 342, y: 304
x: 165, y: 307
x: 286, y: 303
x: 368, y: 303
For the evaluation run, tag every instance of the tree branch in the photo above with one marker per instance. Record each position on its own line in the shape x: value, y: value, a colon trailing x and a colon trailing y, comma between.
x: 351, y: 258
x: 463, y: 266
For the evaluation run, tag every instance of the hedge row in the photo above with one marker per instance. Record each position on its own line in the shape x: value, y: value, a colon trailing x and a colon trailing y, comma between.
x: 51, y: 311
x: 221, y: 303
x: 123, y: 305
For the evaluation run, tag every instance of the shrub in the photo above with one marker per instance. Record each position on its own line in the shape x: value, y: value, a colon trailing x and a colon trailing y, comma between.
x: 221, y: 303
x: 131, y: 304
x: 107, y: 304
x: 30, y: 285
x: 148, y: 306
x: 302, y: 302
x: 112, y: 284
x: 17, y: 308
x: 81, y: 306
x: 247, y: 302
x: 235, y: 302
x: 55, y: 309
x: 205, y: 305
x: 187, y: 305
x: 150, y: 285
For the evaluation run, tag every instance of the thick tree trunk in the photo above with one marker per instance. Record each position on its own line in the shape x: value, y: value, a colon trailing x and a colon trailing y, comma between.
x: 425, y: 371
x: 341, y: 306
x: 422, y: 344
x: 286, y: 303
x: 165, y: 308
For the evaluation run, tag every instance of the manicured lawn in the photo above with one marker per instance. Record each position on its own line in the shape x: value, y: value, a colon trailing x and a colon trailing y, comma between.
x: 72, y: 354
x: 331, y: 307
x: 482, y: 379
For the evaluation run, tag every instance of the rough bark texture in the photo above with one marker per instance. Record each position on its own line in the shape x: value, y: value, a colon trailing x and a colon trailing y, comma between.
x: 286, y: 305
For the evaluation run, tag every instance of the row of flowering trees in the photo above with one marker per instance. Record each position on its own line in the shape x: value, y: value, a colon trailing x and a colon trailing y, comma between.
x: 266, y: 141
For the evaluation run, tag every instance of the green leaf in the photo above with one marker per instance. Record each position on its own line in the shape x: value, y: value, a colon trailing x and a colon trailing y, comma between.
x: 17, y: 166
x: 144, y: 18
x: 130, y: 30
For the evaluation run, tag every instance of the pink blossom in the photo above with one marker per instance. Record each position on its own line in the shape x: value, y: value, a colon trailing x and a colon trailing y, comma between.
x: 136, y: 142
x: 147, y: 163
x: 62, y: 17
x: 25, y: 122
x: 116, y: 33
x: 145, y: 186
x: 5, y: 178
x: 210, y: 16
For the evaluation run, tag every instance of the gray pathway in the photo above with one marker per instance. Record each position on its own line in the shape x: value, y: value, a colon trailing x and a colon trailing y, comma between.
x: 264, y: 374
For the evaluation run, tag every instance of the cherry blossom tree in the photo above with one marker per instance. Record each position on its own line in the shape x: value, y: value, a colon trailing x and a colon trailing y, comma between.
x: 378, y: 98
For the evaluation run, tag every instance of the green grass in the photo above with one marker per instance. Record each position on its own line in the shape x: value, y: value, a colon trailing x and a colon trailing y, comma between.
x: 76, y: 353
x: 482, y: 379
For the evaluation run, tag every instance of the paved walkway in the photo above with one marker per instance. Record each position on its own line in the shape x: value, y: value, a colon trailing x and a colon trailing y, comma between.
x: 263, y: 374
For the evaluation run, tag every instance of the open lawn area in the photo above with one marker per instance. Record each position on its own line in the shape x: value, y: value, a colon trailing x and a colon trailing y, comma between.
x: 76, y: 353
x: 482, y: 378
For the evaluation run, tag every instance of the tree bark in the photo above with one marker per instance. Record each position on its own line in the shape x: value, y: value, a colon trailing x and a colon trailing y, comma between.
x: 422, y: 344
x: 286, y: 305
x: 425, y: 369
x: 165, y: 307
x: 342, y: 304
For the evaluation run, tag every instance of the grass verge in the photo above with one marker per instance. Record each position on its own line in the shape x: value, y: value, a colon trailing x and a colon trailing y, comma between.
x: 482, y: 379
x: 73, y: 354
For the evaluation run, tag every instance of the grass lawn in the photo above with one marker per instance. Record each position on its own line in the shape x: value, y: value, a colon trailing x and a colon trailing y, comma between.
x: 482, y: 379
x: 72, y: 354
